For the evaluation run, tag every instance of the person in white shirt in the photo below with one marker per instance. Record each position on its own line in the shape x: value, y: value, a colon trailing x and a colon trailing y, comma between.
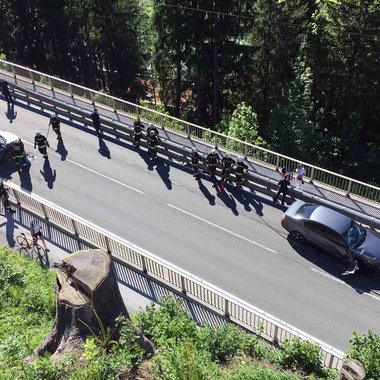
x: 300, y: 172
x: 35, y: 231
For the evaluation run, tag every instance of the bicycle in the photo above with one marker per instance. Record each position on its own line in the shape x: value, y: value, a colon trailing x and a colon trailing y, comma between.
x: 30, y: 248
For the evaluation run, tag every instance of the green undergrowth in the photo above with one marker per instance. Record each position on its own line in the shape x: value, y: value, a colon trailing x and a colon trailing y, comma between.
x: 27, y: 307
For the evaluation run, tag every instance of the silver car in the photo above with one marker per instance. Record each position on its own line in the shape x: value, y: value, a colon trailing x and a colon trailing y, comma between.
x: 334, y: 233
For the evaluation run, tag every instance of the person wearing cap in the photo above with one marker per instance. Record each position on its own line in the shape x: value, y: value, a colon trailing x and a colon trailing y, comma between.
x: 96, y: 121
x: 212, y: 161
x: 240, y: 168
x: 137, y: 131
x: 42, y: 143
x: 227, y: 162
x: 195, y: 157
x: 56, y: 125
x: 18, y: 152
x: 4, y: 197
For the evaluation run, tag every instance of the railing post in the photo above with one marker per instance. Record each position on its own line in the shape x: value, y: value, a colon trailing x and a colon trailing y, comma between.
x: 44, y: 211
x: 277, y: 161
x: 114, y: 105
x: 183, y: 285
x: 15, y: 194
x: 71, y: 90
x: 32, y: 78
x: 188, y: 130
x: 216, y: 141
x: 143, y: 263
x: 349, y: 187
x: 226, y: 308
x: 14, y: 73
x: 312, y: 174
x: 75, y: 228
x: 107, y: 245
x: 275, y: 335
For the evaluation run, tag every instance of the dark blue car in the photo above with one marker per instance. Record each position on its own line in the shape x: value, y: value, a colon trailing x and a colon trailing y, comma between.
x: 335, y: 234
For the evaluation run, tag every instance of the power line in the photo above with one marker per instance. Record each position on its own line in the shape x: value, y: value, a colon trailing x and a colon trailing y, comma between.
x: 219, y: 13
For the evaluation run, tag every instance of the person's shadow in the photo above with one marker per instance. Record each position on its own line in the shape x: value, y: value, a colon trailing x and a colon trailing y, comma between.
x: 103, y: 149
x: 146, y: 157
x: 206, y: 193
x: 228, y: 200
x: 25, y: 179
x: 163, y: 169
x: 48, y: 174
x: 10, y: 230
x: 247, y: 199
x: 61, y: 150
x: 11, y: 114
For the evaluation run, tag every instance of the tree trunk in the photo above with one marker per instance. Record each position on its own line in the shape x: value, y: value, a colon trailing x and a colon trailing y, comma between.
x: 352, y: 370
x: 86, y: 293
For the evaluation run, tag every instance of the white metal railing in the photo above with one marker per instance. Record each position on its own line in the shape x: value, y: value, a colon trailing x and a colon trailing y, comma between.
x: 237, y: 310
x: 314, y: 173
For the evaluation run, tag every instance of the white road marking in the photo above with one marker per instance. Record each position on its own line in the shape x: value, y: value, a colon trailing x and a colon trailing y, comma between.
x: 361, y: 291
x: 221, y: 228
x: 168, y: 204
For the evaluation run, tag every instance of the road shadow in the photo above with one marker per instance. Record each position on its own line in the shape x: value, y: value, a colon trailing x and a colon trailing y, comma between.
x: 163, y: 169
x: 228, y: 200
x: 48, y: 174
x: 205, y: 192
x: 103, y: 149
x: 359, y: 281
x: 61, y: 150
x: 247, y: 199
x: 146, y: 157
x: 25, y: 179
x: 11, y: 114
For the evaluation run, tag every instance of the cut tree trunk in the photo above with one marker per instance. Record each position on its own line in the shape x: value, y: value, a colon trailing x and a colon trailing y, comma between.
x: 86, y: 293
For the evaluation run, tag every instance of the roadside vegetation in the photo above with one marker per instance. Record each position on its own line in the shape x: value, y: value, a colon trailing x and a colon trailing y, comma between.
x: 183, y: 351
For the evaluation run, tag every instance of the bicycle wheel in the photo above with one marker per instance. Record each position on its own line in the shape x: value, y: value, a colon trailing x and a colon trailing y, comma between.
x: 25, y: 252
x: 40, y: 256
x: 22, y: 240
x: 39, y: 251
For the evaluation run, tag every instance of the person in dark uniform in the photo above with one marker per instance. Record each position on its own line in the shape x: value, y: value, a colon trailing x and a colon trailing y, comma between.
x: 228, y: 162
x: 212, y: 161
x: 42, y: 143
x: 6, y: 92
x: 195, y: 157
x: 96, y: 121
x: 153, y: 128
x: 152, y: 145
x: 4, y: 197
x: 56, y: 125
x: 137, y: 131
x: 18, y: 151
x: 240, y: 168
x: 283, y: 188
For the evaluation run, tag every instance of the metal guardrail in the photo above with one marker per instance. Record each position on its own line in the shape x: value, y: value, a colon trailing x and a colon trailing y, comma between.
x: 314, y: 173
x: 240, y: 312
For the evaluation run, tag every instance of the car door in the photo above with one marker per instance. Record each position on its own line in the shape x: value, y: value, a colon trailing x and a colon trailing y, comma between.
x: 318, y: 235
x: 339, y: 247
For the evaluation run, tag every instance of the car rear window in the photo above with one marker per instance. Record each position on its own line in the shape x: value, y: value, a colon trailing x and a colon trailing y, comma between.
x: 306, y: 210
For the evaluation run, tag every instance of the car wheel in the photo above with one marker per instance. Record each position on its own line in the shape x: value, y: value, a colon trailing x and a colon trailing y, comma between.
x: 296, y: 237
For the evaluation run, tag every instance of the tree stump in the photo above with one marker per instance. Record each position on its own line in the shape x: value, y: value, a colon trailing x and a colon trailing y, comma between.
x: 86, y: 293
x: 352, y: 370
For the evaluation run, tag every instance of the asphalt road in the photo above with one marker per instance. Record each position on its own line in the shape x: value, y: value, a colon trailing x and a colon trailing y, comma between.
x: 233, y: 240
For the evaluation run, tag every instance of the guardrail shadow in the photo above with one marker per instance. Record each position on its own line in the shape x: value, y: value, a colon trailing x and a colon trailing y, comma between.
x: 155, y: 291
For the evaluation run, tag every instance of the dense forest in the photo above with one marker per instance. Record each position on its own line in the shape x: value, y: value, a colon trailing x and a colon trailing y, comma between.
x: 299, y: 77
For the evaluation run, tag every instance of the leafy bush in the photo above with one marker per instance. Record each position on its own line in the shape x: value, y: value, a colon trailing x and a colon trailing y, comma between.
x: 297, y: 354
x: 168, y: 324
x: 366, y: 349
